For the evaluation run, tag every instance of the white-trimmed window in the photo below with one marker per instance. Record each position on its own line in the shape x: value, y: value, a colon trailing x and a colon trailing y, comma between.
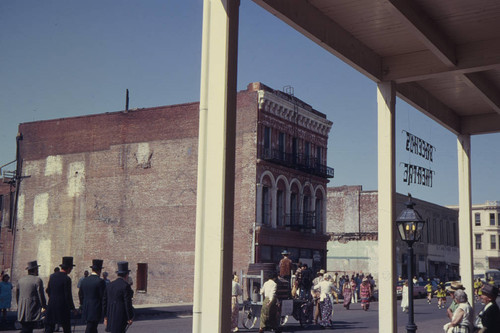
x: 478, y: 241
x: 477, y: 218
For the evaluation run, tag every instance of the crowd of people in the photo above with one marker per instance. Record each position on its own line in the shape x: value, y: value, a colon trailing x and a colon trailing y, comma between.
x: 460, y: 313
x: 53, y: 306
x: 321, y: 291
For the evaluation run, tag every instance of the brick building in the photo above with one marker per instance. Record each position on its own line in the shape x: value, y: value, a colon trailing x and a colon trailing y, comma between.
x: 353, y: 229
x: 7, y: 200
x: 122, y: 186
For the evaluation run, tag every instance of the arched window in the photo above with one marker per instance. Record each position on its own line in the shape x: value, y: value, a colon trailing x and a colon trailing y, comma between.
x: 318, y: 216
x: 280, y: 203
x: 307, y: 210
x: 266, y: 205
x: 294, y: 205
x: 266, y: 198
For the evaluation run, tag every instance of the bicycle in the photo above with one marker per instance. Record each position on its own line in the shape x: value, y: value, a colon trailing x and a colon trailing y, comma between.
x: 251, y: 312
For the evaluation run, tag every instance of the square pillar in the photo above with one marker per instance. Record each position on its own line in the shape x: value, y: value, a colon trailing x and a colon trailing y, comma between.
x: 465, y: 215
x: 216, y: 168
x: 386, y: 101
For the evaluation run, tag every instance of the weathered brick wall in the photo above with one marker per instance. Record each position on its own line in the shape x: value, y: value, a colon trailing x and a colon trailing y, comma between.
x: 122, y: 186
x: 118, y: 186
x: 245, y: 179
x: 5, y: 231
x: 348, y: 249
x: 343, y: 206
x: 369, y: 211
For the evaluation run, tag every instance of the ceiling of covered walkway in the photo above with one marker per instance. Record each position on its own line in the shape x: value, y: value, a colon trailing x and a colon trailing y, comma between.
x: 444, y: 56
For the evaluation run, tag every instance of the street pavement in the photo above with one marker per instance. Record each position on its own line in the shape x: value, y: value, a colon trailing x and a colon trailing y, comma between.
x: 177, y: 318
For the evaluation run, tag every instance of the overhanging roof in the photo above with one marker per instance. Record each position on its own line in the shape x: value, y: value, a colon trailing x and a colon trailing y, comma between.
x: 444, y: 56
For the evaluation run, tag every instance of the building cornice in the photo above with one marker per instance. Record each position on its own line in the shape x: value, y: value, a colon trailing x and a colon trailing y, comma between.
x: 289, y: 110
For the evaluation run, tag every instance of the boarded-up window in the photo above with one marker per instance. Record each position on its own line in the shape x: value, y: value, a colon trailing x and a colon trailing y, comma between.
x: 142, y: 277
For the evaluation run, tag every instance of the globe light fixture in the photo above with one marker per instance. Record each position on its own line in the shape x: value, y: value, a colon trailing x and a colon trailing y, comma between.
x: 410, y: 225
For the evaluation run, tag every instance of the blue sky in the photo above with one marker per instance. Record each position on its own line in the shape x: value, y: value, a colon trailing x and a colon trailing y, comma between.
x: 70, y: 58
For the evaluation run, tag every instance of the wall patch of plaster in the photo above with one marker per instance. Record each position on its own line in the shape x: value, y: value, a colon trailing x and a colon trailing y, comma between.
x: 53, y: 165
x: 41, y: 209
x: 20, y: 207
x: 76, y: 179
x: 143, y: 155
x: 43, y: 257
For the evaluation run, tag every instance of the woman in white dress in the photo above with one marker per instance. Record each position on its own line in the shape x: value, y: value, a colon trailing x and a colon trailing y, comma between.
x: 404, y: 298
x: 325, y: 288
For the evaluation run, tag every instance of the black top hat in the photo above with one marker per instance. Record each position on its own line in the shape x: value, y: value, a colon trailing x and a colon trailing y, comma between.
x: 490, y: 290
x: 67, y: 262
x: 96, y: 264
x: 122, y: 267
x: 32, y: 265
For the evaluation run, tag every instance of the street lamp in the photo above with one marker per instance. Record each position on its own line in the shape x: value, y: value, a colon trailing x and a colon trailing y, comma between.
x: 410, y: 225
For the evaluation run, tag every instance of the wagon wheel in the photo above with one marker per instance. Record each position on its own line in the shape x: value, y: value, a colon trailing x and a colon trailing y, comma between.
x: 249, y: 318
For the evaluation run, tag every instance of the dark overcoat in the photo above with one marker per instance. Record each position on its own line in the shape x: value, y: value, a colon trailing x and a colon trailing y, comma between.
x: 30, y: 298
x: 60, y: 299
x: 491, y: 318
x: 90, y: 294
x: 117, y: 304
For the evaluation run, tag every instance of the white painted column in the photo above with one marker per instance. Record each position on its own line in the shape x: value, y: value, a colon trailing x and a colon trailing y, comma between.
x: 258, y: 206
x: 386, y: 100
x: 313, y: 208
x: 288, y: 204
x: 274, y: 206
x: 216, y: 165
x: 465, y: 214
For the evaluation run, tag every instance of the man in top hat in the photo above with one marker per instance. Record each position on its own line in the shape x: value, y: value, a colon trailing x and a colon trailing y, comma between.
x: 60, y: 298
x: 454, y: 286
x: 285, y: 266
x: 90, y: 294
x: 489, y: 318
x: 117, y: 301
x: 30, y: 298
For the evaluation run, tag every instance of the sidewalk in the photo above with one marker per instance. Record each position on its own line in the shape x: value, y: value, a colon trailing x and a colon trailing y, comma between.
x: 142, y: 312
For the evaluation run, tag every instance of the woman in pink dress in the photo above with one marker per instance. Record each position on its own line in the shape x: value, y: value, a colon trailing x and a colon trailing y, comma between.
x: 347, y: 293
x: 365, y: 292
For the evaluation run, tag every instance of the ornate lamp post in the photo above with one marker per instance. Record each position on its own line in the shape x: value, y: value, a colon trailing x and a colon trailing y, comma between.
x: 410, y: 225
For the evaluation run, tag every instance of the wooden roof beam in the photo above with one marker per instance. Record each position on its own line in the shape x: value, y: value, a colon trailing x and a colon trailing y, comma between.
x: 481, y: 124
x: 487, y: 90
x: 472, y: 57
x: 311, y: 22
x: 422, y: 100
x: 422, y: 26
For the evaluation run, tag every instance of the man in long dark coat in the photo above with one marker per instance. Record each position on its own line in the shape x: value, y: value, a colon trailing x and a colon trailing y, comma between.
x: 489, y: 317
x: 117, y: 302
x: 60, y: 298
x: 90, y: 294
x: 30, y: 298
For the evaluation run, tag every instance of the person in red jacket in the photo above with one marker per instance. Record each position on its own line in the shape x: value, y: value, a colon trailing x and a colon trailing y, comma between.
x: 285, y: 266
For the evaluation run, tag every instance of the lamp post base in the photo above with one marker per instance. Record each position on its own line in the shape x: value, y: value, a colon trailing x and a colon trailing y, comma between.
x: 411, y: 328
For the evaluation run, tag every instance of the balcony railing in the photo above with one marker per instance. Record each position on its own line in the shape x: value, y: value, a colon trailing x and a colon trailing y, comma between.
x: 300, y: 221
x: 301, y: 162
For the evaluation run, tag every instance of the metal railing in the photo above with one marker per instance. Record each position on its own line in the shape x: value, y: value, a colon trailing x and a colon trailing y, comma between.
x: 302, y: 162
x: 300, y: 221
